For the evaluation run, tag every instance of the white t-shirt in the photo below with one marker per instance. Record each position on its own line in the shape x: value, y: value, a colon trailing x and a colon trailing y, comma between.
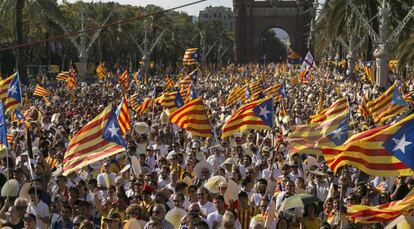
x: 214, y: 216
x: 207, y: 208
x: 41, y: 210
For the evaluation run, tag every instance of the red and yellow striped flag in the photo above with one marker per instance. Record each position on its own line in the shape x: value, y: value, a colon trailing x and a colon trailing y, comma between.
x: 257, y: 115
x: 62, y: 76
x: 362, y: 107
x: 167, y: 100
x: 234, y: 96
x: 123, y: 79
x: 4, y: 86
x: 338, y: 107
x: 98, y: 139
x: 385, y: 212
x: 184, y: 85
x: 309, y: 138
x: 9, y: 138
x: 389, y: 104
x: 124, y: 118
x: 274, y: 91
x: 255, y: 87
x: 40, y: 91
x: 193, y: 117
x: 71, y: 81
x: 374, y: 151
x: 141, y: 109
x: 169, y: 83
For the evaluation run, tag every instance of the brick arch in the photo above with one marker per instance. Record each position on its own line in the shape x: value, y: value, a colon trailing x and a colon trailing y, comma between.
x: 254, y: 17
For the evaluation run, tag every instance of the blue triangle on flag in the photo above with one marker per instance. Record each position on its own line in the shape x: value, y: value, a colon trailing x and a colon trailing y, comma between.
x: 264, y: 110
x: 397, y: 98
x: 112, y: 132
x: 340, y: 134
x: 178, y: 100
x: 401, y: 144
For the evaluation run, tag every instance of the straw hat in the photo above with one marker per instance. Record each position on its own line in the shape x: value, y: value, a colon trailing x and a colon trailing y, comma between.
x: 174, y: 216
x: 212, y: 185
x: 200, y: 166
x: 10, y: 188
x: 141, y: 127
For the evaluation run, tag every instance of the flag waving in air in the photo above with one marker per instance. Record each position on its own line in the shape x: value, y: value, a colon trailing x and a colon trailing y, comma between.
x: 256, y: 115
x: 98, y: 139
x: 383, y: 151
x: 339, y: 106
x: 40, y: 91
x: 123, y: 79
x: 191, y: 56
x: 381, y: 213
x: 20, y: 118
x: 170, y: 100
x: 3, y: 130
x: 123, y: 115
x: 193, y: 117
x: 14, y: 94
x: 389, y: 104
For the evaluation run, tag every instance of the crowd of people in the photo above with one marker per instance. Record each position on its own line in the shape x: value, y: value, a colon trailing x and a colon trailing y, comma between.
x: 167, y: 178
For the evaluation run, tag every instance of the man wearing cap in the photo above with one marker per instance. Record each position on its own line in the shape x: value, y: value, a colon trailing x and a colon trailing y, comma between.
x: 112, y: 221
x: 147, y: 202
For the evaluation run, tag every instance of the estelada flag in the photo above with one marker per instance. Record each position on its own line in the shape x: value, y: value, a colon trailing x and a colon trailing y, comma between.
x: 193, y: 117
x: 256, y: 115
x: 382, y: 151
x: 98, y: 139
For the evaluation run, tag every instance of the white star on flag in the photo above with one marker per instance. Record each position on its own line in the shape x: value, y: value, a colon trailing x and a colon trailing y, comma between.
x: 263, y: 111
x: 113, y: 130
x: 337, y: 134
x: 401, y: 144
x: 13, y: 89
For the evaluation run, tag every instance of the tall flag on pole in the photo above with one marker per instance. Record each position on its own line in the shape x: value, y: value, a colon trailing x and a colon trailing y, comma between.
x: 193, y: 117
x: 123, y: 115
x: 368, y: 67
x: 278, y: 91
x: 233, y: 97
x: 170, y: 100
x: 191, y: 56
x: 381, y: 213
x: 169, y: 82
x: 135, y: 100
x: 97, y: 140
x: 4, y: 86
x: 20, y: 118
x: 141, y: 109
x: 388, y: 105
x: 62, y: 76
x: 101, y: 71
x: 3, y: 131
x: 409, y: 97
x: 123, y: 79
x: 308, y: 62
x: 339, y: 106
x: 71, y: 81
x: 331, y: 131
x: 256, y: 116
x: 40, y: 91
x: 14, y: 94
x: 293, y: 57
x: 362, y: 107
x: 383, y: 151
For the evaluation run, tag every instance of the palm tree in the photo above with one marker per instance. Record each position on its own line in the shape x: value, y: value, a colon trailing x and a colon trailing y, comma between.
x: 20, y: 56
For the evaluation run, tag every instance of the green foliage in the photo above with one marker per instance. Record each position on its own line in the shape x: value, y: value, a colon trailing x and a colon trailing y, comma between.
x: 43, y: 19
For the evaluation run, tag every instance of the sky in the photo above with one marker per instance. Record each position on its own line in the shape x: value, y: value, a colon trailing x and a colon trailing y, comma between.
x: 191, y: 10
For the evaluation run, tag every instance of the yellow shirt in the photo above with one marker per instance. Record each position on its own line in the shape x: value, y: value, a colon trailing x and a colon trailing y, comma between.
x: 311, y: 224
